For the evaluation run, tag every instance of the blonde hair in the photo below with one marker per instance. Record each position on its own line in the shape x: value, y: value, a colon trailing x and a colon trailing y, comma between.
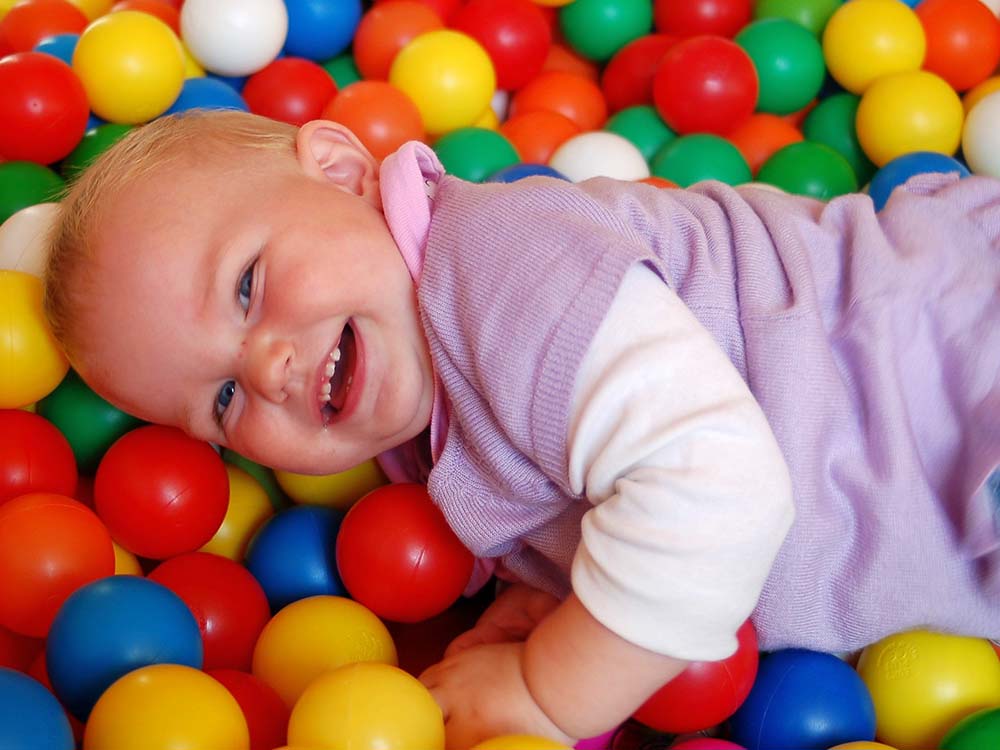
x: 192, y: 137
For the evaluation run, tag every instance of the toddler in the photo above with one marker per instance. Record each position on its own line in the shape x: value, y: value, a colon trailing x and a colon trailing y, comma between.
x: 615, y: 393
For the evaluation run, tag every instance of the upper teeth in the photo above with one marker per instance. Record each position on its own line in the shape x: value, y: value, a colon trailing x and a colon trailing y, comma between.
x: 329, y: 370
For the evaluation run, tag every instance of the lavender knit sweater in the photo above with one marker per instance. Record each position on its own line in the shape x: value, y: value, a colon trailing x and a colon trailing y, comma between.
x: 872, y: 342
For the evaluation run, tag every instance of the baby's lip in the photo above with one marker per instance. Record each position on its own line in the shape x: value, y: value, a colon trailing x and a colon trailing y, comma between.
x: 322, y: 379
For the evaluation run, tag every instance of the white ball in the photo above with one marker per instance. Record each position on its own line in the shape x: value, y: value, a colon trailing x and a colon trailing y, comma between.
x: 24, y: 238
x: 234, y: 37
x: 599, y: 154
x: 981, y: 137
x: 993, y: 5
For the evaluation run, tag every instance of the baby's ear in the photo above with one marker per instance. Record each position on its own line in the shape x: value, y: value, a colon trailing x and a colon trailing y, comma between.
x: 328, y: 151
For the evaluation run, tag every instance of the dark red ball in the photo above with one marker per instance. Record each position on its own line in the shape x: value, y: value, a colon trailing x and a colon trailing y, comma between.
x: 627, y: 79
x: 34, y: 456
x: 514, y: 33
x: 290, y: 89
x: 264, y: 710
x: 693, y: 17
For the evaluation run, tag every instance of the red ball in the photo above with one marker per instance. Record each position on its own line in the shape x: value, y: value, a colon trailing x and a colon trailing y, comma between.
x: 265, y: 711
x: 28, y: 23
x: 963, y: 41
x: 18, y: 651
x: 693, y: 17
x: 444, y: 9
x: 514, y: 33
x: 43, y: 108
x: 706, y: 84
x: 226, y: 600
x: 160, y: 492
x: 627, y: 79
x: 397, y: 555
x: 165, y: 11
x: 50, y: 546
x: 573, y: 96
x: 291, y: 89
x: 706, y: 693
x: 379, y: 114
x: 385, y: 30
x: 34, y: 456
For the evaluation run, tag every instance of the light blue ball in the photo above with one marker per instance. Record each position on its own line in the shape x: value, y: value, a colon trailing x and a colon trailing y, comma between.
x: 30, y: 716
x: 60, y: 45
x: 902, y: 168
x: 517, y: 172
x: 319, y: 30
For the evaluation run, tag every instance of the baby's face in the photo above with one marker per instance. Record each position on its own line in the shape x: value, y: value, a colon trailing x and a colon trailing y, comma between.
x: 267, y: 311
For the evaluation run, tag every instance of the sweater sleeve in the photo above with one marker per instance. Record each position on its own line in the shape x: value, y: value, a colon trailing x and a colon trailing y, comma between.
x: 691, y: 495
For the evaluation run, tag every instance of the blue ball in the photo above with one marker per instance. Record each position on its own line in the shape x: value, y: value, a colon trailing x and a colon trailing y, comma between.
x: 516, y: 172
x: 902, y: 168
x: 207, y: 93
x: 236, y: 83
x: 293, y: 556
x: 803, y: 699
x: 319, y: 30
x: 109, y: 628
x: 30, y: 716
x: 60, y: 45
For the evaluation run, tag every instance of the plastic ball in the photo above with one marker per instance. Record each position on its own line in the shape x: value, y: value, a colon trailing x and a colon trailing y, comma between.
x: 408, y: 569
x: 789, y: 64
x: 761, y: 136
x: 225, y: 599
x: 343, y: 70
x: 536, y: 135
x: 520, y: 742
x: 705, y: 693
x: 643, y: 127
x: 34, y: 457
x: 320, y: 29
x: 963, y: 41
x: 112, y: 626
x: 94, y: 143
x: 693, y: 17
x: 599, y: 154
x: 597, y: 29
x: 831, y: 122
x: 385, y: 30
x: 923, y: 683
x: 706, y: 743
x: 60, y: 46
x: 383, y: 118
x: 981, y: 138
x: 18, y: 651
x: 24, y: 239
x: 166, y: 12
x: 126, y: 564
x: 561, y: 58
x: 234, y: 37
x: 705, y: 84
x: 263, y: 475
x: 50, y: 546
x: 448, y: 75
x: 207, y: 93
x: 290, y: 89
x: 474, y: 154
x: 316, y: 635
x: 693, y: 158
x: 514, y: 34
x: 93, y: 8
x: 28, y: 23
x: 292, y: 555
x: 343, y: 489
x: 810, y: 14
x: 571, y: 95
x: 627, y: 79
x: 803, y: 699
x: 43, y: 108
x: 31, y: 363
x: 517, y: 172
x: 978, y: 730
x: 160, y: 492
x: 249, y: 508
x: 367, y: 706
x: 862, y: 745
x: 165, y: 706
x: 809, y: 169
x: 30, y: 716
x: 265, y: 713
x: 864, y: 41
x: 980, y: 92
x: 908, y: 112
x: 902, y: 168
x: 23, y: 184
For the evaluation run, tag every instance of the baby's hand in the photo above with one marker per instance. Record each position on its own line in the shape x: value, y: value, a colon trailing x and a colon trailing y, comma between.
x: 511, y: 618
x: 482, y: 692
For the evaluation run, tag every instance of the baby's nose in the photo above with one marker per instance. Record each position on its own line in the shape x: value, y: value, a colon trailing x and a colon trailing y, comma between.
x: 269, y: 364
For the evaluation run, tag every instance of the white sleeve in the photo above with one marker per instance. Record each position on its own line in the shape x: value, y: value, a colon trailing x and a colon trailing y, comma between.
x: 691, y: 495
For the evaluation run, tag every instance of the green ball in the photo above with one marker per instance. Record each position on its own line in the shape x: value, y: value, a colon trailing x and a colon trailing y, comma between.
x: 94, y: 143
x: 263, y: 475
x: 809, y: 169
x: 831, y: 122
x: 89, y: 423
x: 975, y: 732
x: 811, y: 14
x: 599, y: 28
x: 342, y: 70
x: 643, y: 126
x: 789, y: 62
x: 474, y: 154
x: 692, y: 158
x: 23, y: 184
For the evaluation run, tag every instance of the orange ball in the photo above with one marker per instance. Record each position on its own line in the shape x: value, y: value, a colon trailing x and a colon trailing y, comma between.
x: 381, y: 116
x: 562, y: 58
x: 577, y: 98
x: 659, y: 182
x: 26, y: 24
x: 157, y: 8
x: 761, y: 136
x: 385, y: 30
x: 963, y: 41
x: 536, y: 135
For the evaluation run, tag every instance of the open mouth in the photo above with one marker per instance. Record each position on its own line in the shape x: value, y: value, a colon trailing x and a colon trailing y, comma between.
x: 340, y: 375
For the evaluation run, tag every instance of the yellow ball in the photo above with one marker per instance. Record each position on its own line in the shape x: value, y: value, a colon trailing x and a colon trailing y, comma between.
x: 923, y: 683
x: 249, y: 507
x: 520, y: 742
x: 867, y: 39
x: 448, y: 75
x: 367, y: 706
x: 192, y: 68
x: 6, y: 5
x: 316, y: 635
x: 131, y: 65
x: 976, y: 94
x: 166, y: 707
x: 31, y: 363
x: 862, y: 745
x: 126, y: 564
x: 339, y: 490
x: 552, y: 3
x: 908, y: 112
x: 93, y: 8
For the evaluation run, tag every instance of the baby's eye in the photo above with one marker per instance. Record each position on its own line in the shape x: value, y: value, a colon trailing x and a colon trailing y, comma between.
x: 246, y: 287
x: 225, y: 395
